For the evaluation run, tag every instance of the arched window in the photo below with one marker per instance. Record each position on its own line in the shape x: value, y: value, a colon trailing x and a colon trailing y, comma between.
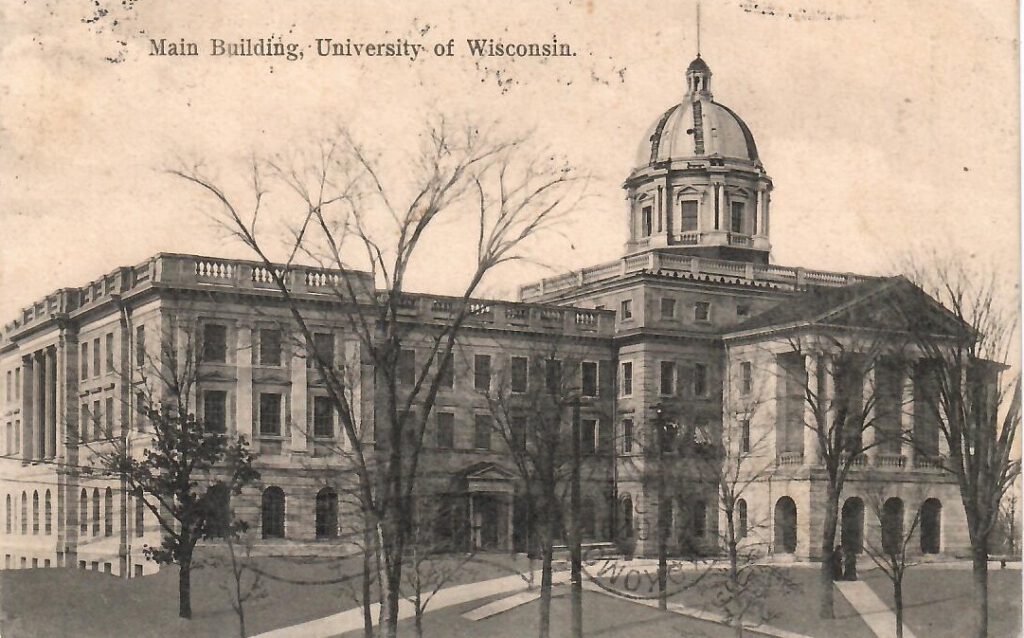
x: 627, y: 516
x: 48, y: 513
x: 108, y: 513
x: 272, y: 512
x: 931, y: 526
x: 83, y: 511
x: 10, y: 513
x: 140, y: 517
x: 852, y: 530
x: 699, y: 520
x: 95, y: 511
x: 24, y: 513
x: 785, y: 525
x: 741, y: 514
x: 35, y: 513
x: 327, y: 513
x: 218, y: 500
x: 892, y: 526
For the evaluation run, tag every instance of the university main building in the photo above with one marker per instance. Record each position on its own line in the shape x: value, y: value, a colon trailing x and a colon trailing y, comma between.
x: 694, y: 326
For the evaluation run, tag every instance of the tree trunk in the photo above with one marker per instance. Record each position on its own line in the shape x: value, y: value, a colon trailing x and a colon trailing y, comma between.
x: 980, y: 573
x: 897, y: 597
x: 419, y: 612
x: 828, y: 541
x: 393, y: 594
x: 369, y: 543
x: 545, y: 589
x: 185, y: 587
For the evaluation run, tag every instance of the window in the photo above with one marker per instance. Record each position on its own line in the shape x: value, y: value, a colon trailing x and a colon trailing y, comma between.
x: 24, y: 513
x: 517, y: 430
x: 84, y: 363
x: 141, y: 406
x: 746, y: 378
x: 35, y: 513
x: 482, y: 372
x: 17, y: 383
x: 482, y: 432
x: 447, y: 379
x: 108, y: 512
x: 689, y: 216
x: 323, y: 417
x: 647, y: 221
x: 327, y: 513
x: 83, y: 419
x: 605, y: 437
x: 627, y: 378
x: 588, y: 437
x: 140, y: 517
x: 405, y: 372
x: 108, y: 413
x: 700, y: 517
x: 97, y: 427
x: 445, y: 429
x: 737, y: 217
x: 668, y: 378
x: 668, y: 308
x: 700, y: 380
x: 110, y: 352
x: 520, y: 373
x: 742, y: 310
x: 270, y: 347
x: 588, y: 378
x: 745, y: 436
x: 95, y: 511
x: 272, y: 512
x: 323, y: 349
x: 215, y: 343
x: 140, y: 346
x: 553, y: 376
x: 270, y: 414
x: 627, y: 309
x: 215, y: 410
x: 702, y: 311
x: 8, y: 396
x: 10, y: 514
x: 627, y: 435
x: 96, y: 357
x: 741, y: 511
x: 83, y: 512
x: 48, y: 513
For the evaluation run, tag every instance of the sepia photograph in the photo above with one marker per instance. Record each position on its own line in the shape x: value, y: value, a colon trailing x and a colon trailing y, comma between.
x: 553, y: 318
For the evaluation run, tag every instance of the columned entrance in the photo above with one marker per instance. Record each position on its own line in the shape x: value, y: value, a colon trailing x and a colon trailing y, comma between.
x: 490, y: 492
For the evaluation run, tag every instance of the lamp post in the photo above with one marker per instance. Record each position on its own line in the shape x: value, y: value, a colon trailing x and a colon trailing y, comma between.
x: 664, y: 433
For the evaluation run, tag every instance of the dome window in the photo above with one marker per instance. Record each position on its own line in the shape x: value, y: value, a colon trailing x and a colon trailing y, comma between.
x: 689, y: 208
x: 647, y: 221
x: 737, y: 217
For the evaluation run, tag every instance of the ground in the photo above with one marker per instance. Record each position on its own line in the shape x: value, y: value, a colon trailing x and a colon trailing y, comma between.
x: 55, y: 602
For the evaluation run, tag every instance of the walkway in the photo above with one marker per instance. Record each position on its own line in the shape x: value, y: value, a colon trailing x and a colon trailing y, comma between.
x: 872, y: 609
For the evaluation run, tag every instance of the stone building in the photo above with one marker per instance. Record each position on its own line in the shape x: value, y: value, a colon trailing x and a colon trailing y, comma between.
x: 693, y: 326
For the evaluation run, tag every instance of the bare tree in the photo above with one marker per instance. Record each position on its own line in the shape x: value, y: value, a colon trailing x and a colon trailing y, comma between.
x: 976, y: 395
x: 245, y: 580
x: 342, y: 208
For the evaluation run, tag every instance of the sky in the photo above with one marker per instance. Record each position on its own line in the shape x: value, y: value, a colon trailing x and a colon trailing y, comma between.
x: 890, y: 128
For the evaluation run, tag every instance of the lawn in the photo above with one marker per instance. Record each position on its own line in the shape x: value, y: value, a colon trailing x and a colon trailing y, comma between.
x: 96, y: 604
x: 937, y: 602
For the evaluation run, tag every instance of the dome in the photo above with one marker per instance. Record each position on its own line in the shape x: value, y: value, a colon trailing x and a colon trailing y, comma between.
x: 697, y: 130
x: 699, y: 64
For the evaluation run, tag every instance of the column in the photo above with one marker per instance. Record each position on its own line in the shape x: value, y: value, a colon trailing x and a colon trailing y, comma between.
x: 299, y: 427
x: 27, y: 406
x: 758, y: 210
x: 812, y: 449
x: 243, y: 382
x: 51, y: 402
x: 907, y: 417
x: 44, y: 419
x: 719, y: 203
x: 869, y: 397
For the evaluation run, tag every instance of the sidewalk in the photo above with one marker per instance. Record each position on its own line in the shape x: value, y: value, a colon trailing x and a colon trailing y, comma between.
x: 872, y: 609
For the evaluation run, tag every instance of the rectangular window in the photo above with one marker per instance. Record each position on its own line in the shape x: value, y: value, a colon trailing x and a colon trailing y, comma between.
x: 84, y: 363
x: 627, y: 309
x: 215, y: 410
x: 627, y: 436
x: 83, y: 419
x: 97, y: 423
x: 588, y: 437
x: 746, y: 378
x: 215, y: 343
x: 270, y: 347
x: 323, y: 418
x: 140, y: 407
x: 627, y: 378
x: 9, y: 395
x: 110, y: 352
x: 96, y: 357
x: 405, y: 374
x: 270, y: 414
x: 604, y: 437
x: 482, y: 372
x: 737, y: 217
x: 553, y: 376
x: 700, y: 379
x: 140, y: 346
x: 588, y: 379
x: 445, y: 422
x: 745, y: 436
x: 647, y: 221
x: 517, y: 431
x: 668, y: 378
x: 689, y: 216
x: 447, y: 379
x: 668, y: 308
x: 520, y: 373
x: 702, y: 311
x: 482, y: 432
x: 323, y: 348
x: 17, y: 383
x: 108, y: 412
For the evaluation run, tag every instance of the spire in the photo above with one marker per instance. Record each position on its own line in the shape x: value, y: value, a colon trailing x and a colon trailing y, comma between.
x: 698, y: 28
x: 698, y: 74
